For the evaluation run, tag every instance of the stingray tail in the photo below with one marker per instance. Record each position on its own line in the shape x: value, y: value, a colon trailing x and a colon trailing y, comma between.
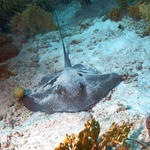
x: 66, y: 57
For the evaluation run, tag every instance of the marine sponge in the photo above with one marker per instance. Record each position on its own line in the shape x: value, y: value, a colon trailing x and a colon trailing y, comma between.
x: 31, y: 21
x: 18, y: 93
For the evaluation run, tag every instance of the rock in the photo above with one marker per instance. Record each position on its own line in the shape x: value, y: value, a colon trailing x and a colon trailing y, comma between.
x: 5, y: 72
x: 7, y: 48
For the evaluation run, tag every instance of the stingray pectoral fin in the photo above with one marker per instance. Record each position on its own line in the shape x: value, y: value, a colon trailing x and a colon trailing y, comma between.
x: 111, y: 80
x: 30, y: 104
x: 104, y: 83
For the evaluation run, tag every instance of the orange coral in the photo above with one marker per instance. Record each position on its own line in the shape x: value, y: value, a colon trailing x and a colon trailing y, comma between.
x: 32, y: 21
x: 116, y: 136
x: 86, y: 139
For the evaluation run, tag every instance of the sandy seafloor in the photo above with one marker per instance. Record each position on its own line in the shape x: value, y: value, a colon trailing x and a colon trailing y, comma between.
x: 93, y: 43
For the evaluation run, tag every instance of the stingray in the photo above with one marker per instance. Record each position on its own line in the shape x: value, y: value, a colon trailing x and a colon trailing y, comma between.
x: 73, y: 89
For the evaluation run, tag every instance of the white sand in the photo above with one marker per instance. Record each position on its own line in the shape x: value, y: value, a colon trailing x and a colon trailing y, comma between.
x: 103, y: 46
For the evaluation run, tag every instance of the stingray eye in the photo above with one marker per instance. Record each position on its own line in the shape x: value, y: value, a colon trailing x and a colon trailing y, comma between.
x: 61, y: 90
x: 80, y: 74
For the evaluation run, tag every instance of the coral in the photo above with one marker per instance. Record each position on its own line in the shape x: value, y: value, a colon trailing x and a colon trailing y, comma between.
x: 115, y: 14
x: 7, y: 49
x: 86, y: 139
x: 143, y: 1
x: 123, y: 4
x: 5, y: 73
x: 8, y: 8
x: 137, y: 11
x: 144, y: 9
x: 134, y: 12
x: 18, y: 93
x: 116, y: 137
x: 148, y: 29
x: 148, y: 125
x: 31, y: 21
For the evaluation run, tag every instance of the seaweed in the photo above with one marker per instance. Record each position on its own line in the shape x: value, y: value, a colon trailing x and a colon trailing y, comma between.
x: 86, y: 139
x: 31, y: 21
x: 116, y: 137
x: 8, y: 8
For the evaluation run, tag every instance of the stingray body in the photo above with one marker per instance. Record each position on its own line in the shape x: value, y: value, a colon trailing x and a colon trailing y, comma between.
x: 73, y: 89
